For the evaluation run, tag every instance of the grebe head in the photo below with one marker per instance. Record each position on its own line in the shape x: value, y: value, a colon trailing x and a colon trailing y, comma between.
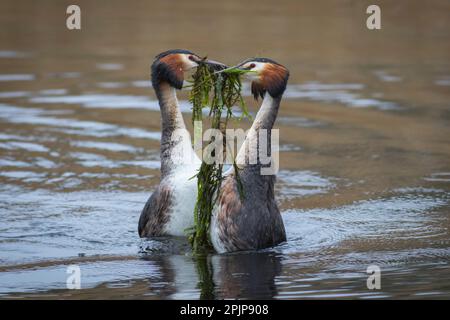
x: 170, y: 66
x: 266, y: 75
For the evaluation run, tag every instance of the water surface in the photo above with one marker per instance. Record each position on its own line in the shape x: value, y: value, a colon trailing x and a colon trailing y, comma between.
x: 364, y: 129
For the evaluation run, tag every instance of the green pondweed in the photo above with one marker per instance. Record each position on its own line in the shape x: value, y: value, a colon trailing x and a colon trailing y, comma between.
x: 220, y: 91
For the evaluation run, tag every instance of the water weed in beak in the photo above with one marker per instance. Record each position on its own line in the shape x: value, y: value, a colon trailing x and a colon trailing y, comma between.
x: 220, y: 91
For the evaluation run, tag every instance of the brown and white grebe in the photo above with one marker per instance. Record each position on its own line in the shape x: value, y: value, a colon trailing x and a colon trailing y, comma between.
x: 254, y: 222
x: 169, y: 210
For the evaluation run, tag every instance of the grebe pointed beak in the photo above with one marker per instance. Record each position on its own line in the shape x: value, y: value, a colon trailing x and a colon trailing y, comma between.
x: 215, y: 65
x: 226, y: 69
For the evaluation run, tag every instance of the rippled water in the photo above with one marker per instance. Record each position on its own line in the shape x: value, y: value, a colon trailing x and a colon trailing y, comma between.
x: 364, y: 129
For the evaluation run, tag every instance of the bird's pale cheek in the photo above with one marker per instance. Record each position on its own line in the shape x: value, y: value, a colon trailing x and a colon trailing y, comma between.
x: 190, y: 65
x: 252, y: 76
x: 187, y: 64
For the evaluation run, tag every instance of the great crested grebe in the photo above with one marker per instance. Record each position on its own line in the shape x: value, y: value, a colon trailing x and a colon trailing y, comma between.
x: 169, y: 210
x: 254, y: 222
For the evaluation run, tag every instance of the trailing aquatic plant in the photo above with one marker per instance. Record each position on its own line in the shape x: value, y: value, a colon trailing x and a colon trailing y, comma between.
x: 205, y: 276
x: 220, y: 91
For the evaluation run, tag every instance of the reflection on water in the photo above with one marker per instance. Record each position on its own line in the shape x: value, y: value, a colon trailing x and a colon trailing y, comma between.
x: 364, y: 130
x: 325, y: 247
x: 345, y: 94
x: 34, y: 116
x: 16, y: 77
x: 249, y: 275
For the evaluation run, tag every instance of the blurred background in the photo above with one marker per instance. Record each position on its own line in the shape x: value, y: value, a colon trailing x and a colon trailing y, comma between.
x: 364, y: 130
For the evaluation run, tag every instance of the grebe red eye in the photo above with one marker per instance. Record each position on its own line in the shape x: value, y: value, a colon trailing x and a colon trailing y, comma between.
x: 191, y: 57
x: 252, y: 66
